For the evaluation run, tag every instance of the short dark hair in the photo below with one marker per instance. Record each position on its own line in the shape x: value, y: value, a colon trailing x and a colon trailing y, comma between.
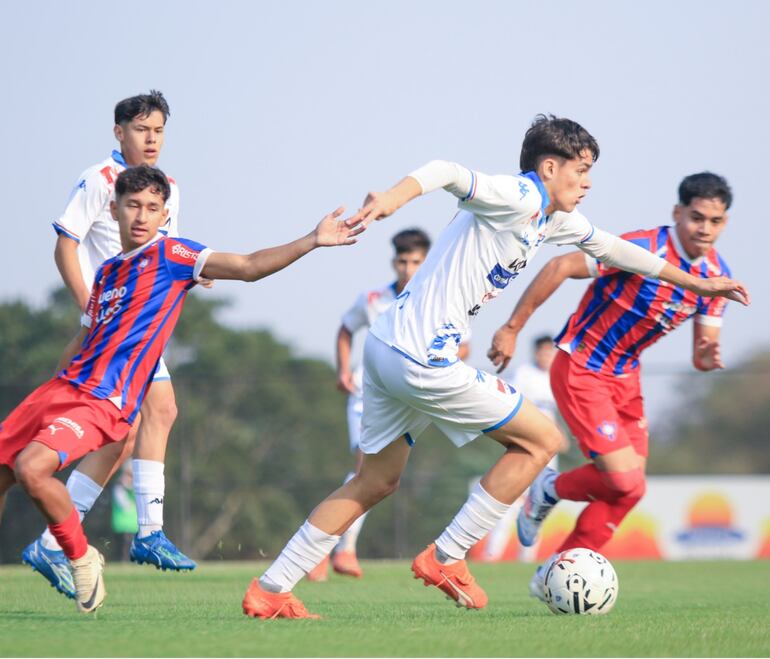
x: 705, y: 185
x: 410, y: 240
x: 136, y: 179
x: 542, y: 340
x: 141, y: 106
x: 553, y: 136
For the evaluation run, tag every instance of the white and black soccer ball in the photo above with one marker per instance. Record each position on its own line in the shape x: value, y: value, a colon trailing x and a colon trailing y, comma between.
x: 580, y: 581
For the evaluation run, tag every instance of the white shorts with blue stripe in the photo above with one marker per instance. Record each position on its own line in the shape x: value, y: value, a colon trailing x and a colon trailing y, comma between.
x: 161, y: 372
x: 403, y: 397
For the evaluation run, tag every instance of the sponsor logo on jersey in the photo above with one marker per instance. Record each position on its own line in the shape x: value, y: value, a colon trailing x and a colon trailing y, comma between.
x: 184, y: 252
x: 499, y: 277
x: 111, y: 303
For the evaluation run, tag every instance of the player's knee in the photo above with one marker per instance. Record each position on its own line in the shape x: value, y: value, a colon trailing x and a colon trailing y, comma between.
x: 552, y: 441
x: 630, y: 484
x: 379, y: 488
x: 31, y: 474
x: 161, y: 413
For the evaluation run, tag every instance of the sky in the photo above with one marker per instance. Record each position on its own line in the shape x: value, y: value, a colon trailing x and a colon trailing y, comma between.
x: 282, y: 111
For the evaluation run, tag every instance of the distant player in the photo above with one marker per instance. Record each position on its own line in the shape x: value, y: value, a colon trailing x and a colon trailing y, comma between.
x: 411, y: 247
x: 596, y: 375
x: 87, y: 236
x: 532, y: 379
x: 131, y: 313
x: 413, y: 377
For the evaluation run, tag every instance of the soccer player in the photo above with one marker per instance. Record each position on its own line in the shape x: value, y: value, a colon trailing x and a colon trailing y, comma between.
x: 412, y: 376
x: 596, y: 374
x: 134, y: 304
x: 411, y: 247
x: 86, y: 236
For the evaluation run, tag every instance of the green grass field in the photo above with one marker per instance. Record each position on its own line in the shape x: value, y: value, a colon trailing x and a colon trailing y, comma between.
x: 664, y: 609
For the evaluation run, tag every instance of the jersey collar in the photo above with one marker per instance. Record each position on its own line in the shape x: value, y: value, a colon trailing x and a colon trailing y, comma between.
x: 127, y: 255
x: 680, y: 250
x: 117, y: 156
x: 532, y: 176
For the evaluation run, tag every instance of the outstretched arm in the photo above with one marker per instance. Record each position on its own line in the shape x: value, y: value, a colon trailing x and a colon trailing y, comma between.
x: 553, y: 274
x: 264, y: 262
x: 620, y: 253
x: 344, y: 374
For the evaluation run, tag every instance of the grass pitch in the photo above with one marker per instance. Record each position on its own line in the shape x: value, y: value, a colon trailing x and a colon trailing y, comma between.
x: 664, y: 609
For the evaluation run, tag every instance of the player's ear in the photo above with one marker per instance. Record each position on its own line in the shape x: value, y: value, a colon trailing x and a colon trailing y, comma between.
x: 677, y: 213
x: 114, y: 207
x: 547, y: 168
x: 118, y: 132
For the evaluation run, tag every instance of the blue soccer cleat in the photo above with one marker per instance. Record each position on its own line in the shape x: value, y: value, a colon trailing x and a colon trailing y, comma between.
x: 52, y: 564
x: 159, y: 551
x: 537, y: 505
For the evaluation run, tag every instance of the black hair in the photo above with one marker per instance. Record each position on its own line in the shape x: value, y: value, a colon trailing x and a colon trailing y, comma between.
x: 136, y: 179
x: 410, y: 240
x: 705, y: 185
x: 141, y: 106
x: 553, y: 136
x: 541, y: 340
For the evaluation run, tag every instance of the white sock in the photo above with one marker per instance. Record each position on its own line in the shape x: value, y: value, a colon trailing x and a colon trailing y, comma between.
x: 500, y: 535
x: 84, y: 493
x: 307, y: 548
x: 149, y: 488
x: 475, y: 519
x: 349, y: 539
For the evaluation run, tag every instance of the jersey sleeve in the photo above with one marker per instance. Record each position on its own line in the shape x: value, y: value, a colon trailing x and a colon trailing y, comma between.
x: 570, y: 229
x: 185, y: 258
x: 356, y: 317
x: 88, y: 317
x: 642, y: 238
x: 503, y: 200
x: 87, y: 199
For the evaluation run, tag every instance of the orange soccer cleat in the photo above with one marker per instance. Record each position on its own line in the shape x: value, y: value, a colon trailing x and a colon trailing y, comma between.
x: 455, y: 579
x: 346, y: 562
x: 258, y: 603
x: 320, y: 572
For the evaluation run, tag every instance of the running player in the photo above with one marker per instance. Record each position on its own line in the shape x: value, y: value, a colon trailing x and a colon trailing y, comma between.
x: 87, y: 236
x: 411, y: 247
x: 131, y: 313
x: 596, y: 374
x: 412, y: 376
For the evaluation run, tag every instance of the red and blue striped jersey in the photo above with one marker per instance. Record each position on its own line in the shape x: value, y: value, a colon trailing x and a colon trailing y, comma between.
x: 623, y: 313
x: 135, y: 303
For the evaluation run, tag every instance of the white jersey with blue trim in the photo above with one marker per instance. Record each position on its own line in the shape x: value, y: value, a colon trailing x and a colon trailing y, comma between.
x: 499, y: 228
x: 361, y: 316
x: 88, y: 221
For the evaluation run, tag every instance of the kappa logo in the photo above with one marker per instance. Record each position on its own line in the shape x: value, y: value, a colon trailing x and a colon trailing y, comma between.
x: 523, y: 189
x: 144, y: 263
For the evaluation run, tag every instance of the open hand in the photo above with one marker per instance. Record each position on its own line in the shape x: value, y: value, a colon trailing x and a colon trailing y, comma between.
x: 377, y: 205
x: 503, y: 347
x: 724, y: 287
x: 708, y: 354
x: 331, y: 232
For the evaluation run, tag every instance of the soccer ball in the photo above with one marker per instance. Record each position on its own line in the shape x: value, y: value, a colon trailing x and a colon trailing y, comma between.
x: 580, y: 581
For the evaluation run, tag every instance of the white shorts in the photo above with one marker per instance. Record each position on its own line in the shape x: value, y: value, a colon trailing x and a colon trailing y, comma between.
x: 403, y: 397
x: 355, y: 412
x: 161, y: 372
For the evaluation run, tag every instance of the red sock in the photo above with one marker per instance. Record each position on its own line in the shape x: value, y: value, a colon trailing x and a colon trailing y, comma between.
x: 592, y: 529
x: 584, y: 484
x: 70, y: 536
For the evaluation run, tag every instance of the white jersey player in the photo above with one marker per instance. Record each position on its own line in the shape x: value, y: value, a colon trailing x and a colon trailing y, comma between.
x: 412, y: 373
x: 87, y: 236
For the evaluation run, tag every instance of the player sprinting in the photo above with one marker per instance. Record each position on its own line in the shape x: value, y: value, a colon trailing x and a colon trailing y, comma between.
x: 87, y: 236
x: 411, y: 247
x: 596, y: 373
x: 134, y: 304
x: 532, y: 379
x: 412, y: 376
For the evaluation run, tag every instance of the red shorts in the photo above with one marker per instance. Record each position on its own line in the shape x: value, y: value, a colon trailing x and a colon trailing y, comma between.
x: 604, y: 412
x: 67, y: 420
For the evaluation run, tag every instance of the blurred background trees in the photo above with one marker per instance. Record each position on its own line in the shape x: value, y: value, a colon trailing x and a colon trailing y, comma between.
x: 261, y: 438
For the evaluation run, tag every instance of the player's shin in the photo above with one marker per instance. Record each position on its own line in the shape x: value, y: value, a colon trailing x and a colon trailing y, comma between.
x: 306, y: 549
x: 480, y: 513
x: 84, y: 493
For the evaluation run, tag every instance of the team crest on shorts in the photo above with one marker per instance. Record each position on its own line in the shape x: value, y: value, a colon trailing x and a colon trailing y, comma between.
x: 608, y: 429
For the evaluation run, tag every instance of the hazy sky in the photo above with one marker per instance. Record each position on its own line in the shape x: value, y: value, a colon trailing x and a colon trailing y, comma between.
x: 282, y: 111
